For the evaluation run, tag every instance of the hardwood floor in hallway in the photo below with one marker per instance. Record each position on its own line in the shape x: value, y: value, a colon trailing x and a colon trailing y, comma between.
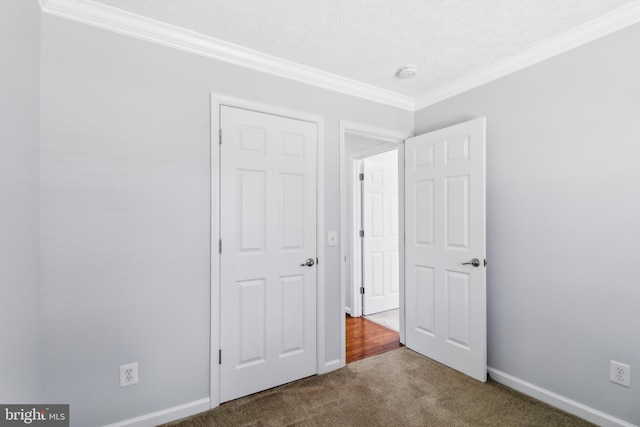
x: 365, y: 339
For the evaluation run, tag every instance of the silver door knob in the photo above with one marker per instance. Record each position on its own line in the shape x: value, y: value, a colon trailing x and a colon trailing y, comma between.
x: 475, y: 262
x: 308, y: 263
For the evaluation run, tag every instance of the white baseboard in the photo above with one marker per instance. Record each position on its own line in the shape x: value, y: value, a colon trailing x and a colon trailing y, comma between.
x: 166, y: 415
x: 561, y: 402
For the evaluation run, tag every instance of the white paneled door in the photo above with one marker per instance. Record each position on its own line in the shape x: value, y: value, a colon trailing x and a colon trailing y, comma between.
x: 445, y: 276
x: 380, y: 241
x: 268, y: 232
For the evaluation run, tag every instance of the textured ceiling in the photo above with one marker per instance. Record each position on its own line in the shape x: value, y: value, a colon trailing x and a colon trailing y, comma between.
x: 368, y: 40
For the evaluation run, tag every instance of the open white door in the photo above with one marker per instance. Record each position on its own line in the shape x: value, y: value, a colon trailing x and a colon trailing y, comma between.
x: 445, y: 247
x: 380, y: 225
x: 268, y: 232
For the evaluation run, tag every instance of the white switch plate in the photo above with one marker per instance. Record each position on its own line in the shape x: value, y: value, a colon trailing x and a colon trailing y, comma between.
x: 332, y: 240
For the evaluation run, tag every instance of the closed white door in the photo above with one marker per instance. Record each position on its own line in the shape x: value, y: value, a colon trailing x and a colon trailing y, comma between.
x: 445, y: 277
x: 268, y: 232
x: 380, y: 241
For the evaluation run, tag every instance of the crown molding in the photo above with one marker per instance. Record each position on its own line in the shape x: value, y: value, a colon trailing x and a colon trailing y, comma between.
x: 127, y: 23
x: 613, y: 21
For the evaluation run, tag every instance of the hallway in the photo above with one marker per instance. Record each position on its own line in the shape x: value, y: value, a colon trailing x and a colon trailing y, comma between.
x: 366, y: 338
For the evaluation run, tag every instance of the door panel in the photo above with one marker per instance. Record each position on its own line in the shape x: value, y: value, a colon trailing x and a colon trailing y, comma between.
x: 445, y: 227
x: 268, y: 230
x: 251, y: 208
x: 424, y: 305
x: 251, y: 312
x: 423, y: 219
x: 292, y: 190
x: 380, y: 243
x: 293, y: 310
x: 457, y: 212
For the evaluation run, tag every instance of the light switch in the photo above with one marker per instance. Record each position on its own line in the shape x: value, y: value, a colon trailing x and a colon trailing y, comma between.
x: 332, y: 240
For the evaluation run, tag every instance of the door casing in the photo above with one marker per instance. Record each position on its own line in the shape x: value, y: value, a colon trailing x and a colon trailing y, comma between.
x: 217, y: 100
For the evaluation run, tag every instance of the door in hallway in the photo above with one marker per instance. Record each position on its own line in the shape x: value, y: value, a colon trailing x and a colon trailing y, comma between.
x: 380, y: 252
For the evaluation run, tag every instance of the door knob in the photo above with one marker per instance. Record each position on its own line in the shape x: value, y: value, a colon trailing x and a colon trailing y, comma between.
x: 475, y: 262
x: 308, y: 263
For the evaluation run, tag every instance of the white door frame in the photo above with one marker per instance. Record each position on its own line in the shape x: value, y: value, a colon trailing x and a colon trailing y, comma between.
x: 217, y: 100
x: 392, y: 139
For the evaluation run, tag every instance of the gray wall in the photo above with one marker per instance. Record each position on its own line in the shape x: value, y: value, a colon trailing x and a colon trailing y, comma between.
x: 125, y: 213
x: 563, y: 149
x: 19, y: 132
x: 125, y: 201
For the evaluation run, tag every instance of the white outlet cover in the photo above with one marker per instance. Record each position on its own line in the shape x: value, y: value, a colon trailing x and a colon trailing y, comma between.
x: 620, y: 373
x: 128, y: 374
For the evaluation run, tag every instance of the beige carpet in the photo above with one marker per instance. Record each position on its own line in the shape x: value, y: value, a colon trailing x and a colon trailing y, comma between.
x: 398, y: 388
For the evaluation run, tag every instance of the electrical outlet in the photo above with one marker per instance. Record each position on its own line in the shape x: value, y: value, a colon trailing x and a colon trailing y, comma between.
x: 128, y: 374
x: 620, y: 373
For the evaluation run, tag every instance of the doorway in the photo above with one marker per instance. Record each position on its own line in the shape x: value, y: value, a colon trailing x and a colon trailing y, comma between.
x: 374, y: 326
x: 443, y: 307
x: 359, y: 142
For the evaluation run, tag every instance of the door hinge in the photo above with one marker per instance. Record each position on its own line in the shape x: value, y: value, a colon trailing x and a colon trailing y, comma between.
x: 362, y: 290
x: 219, y: 357
x: 361, y: 177
x: 220, y: 246
x: 220, y: 136
x: 361, y: 233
